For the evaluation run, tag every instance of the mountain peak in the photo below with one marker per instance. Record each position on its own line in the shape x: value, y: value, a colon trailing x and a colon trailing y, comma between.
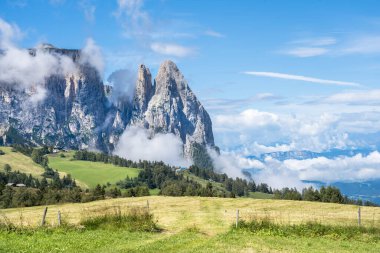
x: 45, y: 46
x: 79, y: 111
x: 168, y: 66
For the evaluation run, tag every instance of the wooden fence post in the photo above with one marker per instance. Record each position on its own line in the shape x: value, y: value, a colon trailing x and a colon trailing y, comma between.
x: 359, y: 216
x: 44, y: 216
x: 59, y: 218
x: 237, y: 218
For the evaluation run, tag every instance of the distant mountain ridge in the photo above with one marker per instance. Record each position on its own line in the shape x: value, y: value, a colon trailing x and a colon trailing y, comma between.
x: 77, y: 112
x: 305, y: 154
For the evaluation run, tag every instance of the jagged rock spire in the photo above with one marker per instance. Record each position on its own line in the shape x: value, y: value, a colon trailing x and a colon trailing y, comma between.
x: 144, y: 90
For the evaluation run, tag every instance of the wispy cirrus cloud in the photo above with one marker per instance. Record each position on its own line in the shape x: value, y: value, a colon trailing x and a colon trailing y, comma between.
x: 136, y: 22
x: 157, y: 36
x: 225, y: 104
x: 360, y: 97
x: 363, y: 45
x: 301, y: 78
x: 358, y: 44
x: 310, y: 47
x: 307, y: 51
x: 172, y: 49
x: 214, y: 34
x: 88, y: 9
x: 316, y: 42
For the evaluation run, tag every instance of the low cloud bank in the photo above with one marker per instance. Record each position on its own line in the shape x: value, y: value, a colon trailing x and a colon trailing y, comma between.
x: 292, y: 172
x: 137, y: 144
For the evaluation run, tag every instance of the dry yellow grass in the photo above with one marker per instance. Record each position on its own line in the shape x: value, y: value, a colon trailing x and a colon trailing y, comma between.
x: 210, y: 215
x: 19, y: 162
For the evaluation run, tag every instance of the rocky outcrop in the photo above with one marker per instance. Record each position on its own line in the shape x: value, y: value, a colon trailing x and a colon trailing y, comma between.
x: 78, y: 111
x: 175, y: 109
x: 143, y: 93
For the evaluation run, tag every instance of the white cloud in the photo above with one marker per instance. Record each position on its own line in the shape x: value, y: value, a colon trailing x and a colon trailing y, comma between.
x: 250, y: 118
x: 310, y: 47
x: 370, y: 97
x: 258, y: 149
x: 304, y: 52
x: 123, y: 83
x: 301, y: 78
x: 348, y: 169
x: 172, y: 49
x: 18, y: 67
x: 292, y: 173
x: 232, y: 164
x: 8, y: 33
x: 92, y: 54
x: 26, y: 70
x: 134, y: 20
x: 363, y: 45
x: 37, y: 94
x: 251, y: 130
x: 316, y: 42
x: 215, y: 34
x: 269, y: 172
x: 225, y: 104
x: 88, y: 8
x: 137, y: 143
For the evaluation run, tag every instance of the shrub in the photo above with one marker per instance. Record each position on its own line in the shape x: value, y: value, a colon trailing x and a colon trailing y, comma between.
x: 6, y: 224
x: 2, y: 152
x: 136, y: 219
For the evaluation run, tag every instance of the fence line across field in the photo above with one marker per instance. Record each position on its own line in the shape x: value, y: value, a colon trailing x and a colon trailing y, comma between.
x: 229, y: 215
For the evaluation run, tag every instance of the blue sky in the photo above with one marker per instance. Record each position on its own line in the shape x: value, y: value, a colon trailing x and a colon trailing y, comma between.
x: 224, y: 39
x: 274, y: 75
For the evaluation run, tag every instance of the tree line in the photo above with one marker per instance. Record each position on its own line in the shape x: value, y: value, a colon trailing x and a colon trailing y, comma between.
x: 329, y: 194
x: 170, y: 180
x: 164, y: 177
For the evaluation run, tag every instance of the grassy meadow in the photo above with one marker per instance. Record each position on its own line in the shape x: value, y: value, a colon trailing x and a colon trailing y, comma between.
x: 89, y: 174
x: 190, y: 224
x: 20, y: 162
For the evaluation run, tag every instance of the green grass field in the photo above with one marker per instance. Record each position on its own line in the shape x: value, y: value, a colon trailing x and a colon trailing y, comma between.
x: 190, y: 224
x: 260, y: 195
x: 20, y: 162
x: 89, y: 174
x: 203, y: 182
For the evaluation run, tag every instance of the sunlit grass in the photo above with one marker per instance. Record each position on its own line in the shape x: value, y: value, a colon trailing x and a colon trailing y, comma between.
x: 90, y: 173
x: 190, y: 224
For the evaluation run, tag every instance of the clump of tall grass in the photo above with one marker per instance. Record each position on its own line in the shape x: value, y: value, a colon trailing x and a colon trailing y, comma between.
x: 6, y: 224
x: 310, y: 229
x: 135, y: 219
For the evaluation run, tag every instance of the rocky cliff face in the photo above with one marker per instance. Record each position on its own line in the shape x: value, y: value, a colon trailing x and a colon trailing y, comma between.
x: 77, y: 112
x: 174, y: 108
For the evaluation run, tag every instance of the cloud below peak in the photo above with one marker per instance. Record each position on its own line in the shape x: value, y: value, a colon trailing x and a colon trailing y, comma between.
x: 301, y: 78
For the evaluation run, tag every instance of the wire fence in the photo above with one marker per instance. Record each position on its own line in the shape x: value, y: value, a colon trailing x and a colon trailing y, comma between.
x: 201, y: 214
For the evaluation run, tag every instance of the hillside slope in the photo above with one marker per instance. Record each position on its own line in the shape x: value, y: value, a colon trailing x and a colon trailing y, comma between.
x: 20, y: 162
x: 89, y: 174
